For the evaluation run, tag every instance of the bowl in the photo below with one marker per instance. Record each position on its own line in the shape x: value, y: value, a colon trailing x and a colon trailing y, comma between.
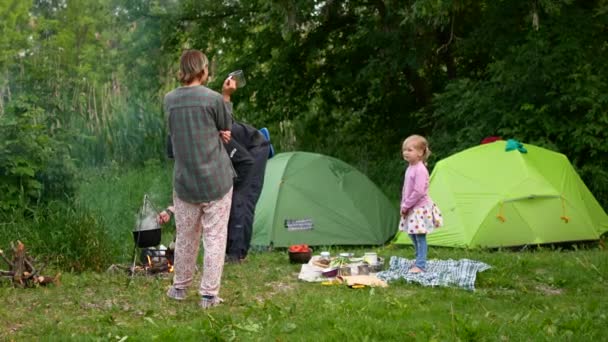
x: 300, y: 257
x: 330, y: 273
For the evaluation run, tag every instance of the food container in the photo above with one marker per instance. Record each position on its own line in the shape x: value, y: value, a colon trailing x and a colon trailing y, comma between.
x: 344, y: 271
x: 363, y: 269
x: 377, y: 267
x: 370, y: 258
x: 300, y: 257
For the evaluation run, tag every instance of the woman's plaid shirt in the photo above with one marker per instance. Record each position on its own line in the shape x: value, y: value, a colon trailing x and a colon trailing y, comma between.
x: 203, y: 171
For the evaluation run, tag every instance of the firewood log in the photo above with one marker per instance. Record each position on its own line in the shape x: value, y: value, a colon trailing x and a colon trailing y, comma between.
x: 18, y: 264
x: 158, y: 268
x: 10, y: 264
x: 42, y: 280
x: 28, y: 265
x: 22, y: 271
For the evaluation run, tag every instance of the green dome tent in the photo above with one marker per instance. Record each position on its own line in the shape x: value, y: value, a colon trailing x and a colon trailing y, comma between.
x: 493, y: 198
x: 314, y: 199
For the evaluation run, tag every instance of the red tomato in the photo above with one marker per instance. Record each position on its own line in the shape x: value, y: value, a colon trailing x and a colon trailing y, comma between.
x: 299, y: 248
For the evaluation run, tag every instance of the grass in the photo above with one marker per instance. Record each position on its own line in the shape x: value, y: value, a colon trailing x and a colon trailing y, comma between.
x: 539, y: 294
x: 535, y: 295
x: 115, y: 195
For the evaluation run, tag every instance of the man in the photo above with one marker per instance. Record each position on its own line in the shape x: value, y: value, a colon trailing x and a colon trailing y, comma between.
x: 248, y: 149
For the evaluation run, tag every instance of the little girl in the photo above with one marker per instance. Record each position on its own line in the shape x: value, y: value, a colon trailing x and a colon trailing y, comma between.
x: 419, y: 215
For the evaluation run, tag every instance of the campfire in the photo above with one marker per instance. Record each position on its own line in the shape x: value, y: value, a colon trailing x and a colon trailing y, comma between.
x: 152, y: 262
x: 154, y: 258
x: 156, y: 265
x: 22, y: 270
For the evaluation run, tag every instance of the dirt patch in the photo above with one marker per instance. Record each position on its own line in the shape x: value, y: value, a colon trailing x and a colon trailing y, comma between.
x: 548, y: 290
x: 10, y: 329
x: 279, y: 287
x: 276, y: 288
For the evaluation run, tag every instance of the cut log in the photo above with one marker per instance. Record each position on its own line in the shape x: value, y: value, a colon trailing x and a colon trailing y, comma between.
x: 19, y: 264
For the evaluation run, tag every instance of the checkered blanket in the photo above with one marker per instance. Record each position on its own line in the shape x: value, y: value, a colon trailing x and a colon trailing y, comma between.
x: 450, y: 272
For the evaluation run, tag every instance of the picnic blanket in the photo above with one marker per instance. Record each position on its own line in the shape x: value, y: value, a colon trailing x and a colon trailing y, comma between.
x: 461, y: 273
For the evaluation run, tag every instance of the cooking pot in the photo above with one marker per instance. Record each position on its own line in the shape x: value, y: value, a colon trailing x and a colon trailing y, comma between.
x: 147, y: 229
x: 147, y: 238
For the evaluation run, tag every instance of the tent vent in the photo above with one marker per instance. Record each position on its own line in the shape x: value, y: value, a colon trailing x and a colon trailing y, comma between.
x: 305, y: 224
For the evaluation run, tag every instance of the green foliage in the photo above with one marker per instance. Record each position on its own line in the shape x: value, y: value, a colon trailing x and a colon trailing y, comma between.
x: 13, y: 32
x: 352, y: 80
x: 92, y: 229
x: 131, y: 136
x: 65, y: 235
x: 348, y: 79
x: 91, y: 71
x: 35, y: 164
x: 114, y: 195
x: 547, y: 89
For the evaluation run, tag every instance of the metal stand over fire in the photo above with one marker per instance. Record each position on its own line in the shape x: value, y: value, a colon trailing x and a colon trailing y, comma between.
x: 147, y: 232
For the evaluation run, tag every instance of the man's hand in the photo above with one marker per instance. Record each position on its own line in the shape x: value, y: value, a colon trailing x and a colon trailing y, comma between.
x: 225, y: 136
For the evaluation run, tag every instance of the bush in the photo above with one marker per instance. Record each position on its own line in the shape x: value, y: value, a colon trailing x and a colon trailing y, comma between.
x: 68, y: 236
x: 35, y: 166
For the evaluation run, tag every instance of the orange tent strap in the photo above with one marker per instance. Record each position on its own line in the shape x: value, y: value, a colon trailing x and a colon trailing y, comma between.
x: 564, y: 217
x: 500, y: 215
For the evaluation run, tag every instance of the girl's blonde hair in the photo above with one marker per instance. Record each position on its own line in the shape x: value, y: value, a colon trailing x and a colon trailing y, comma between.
x: 192, y: 66
x: 420, y: 143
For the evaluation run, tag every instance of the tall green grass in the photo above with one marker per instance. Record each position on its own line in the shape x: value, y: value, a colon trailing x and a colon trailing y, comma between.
x: 63, y: 234
x: 114, y: 194
x: 93, y: 229
x: 130, y: 134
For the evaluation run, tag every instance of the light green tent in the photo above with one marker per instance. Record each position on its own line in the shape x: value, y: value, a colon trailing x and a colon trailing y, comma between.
x: 319, y: 200
x: 493, y: 198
